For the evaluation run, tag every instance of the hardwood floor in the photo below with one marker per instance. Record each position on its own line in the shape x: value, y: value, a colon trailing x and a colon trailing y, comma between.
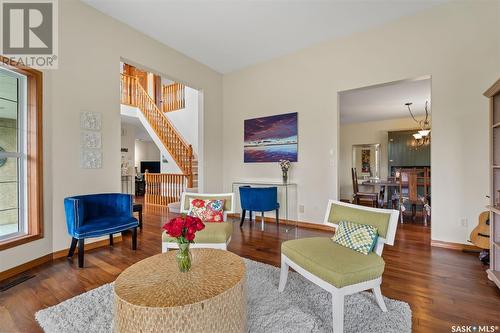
x: 443, y: 287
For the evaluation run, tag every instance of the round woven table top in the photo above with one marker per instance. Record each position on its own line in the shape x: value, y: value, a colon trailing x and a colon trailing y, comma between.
x: 157, y: 281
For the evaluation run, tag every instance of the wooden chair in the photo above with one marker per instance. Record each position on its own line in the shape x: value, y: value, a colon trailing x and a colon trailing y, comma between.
x: 409, y: 181
x: 362, y: 197
x: 337, y: 269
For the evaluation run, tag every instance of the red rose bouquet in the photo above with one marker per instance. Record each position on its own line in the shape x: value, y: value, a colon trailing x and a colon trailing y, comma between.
x: 183, y: 229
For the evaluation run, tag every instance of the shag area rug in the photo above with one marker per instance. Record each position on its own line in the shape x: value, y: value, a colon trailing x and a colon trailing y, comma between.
x: 302, y: 307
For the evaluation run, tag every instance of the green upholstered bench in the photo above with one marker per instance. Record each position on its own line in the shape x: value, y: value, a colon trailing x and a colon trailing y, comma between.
x: 216, y: 235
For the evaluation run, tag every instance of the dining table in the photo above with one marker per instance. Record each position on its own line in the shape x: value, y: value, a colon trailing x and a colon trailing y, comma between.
x: 386, y: 186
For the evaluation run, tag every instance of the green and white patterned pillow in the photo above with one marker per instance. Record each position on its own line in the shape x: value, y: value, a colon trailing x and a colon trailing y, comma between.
x: 358, y: 237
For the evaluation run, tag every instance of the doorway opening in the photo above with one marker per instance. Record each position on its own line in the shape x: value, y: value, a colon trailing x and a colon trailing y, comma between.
x: 385, y: 139
x: 161, y: 135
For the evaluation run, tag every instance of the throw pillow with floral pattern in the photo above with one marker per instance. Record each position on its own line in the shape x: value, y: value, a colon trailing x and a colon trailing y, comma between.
x: 207, y: 210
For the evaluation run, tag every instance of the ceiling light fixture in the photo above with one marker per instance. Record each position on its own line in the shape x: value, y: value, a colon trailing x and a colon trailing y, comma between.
x: 424, y: 132
x: 423, y: 136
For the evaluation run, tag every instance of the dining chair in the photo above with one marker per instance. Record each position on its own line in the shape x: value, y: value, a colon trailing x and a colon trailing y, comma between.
x: 408, y: 194
x: 362, y: 197
x: 259, y: 199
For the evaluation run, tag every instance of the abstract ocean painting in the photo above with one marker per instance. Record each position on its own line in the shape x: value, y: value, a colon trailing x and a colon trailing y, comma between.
x: 270, y: 139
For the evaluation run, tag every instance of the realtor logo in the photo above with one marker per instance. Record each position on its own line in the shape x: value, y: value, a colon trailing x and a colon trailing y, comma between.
x: 29, y: 32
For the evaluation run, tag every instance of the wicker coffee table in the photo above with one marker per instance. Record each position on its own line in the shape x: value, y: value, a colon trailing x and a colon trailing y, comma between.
x: 153, y: 296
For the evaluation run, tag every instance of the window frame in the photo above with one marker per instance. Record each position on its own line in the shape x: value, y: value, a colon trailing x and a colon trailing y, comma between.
x: 20, y: 155
x: 32, y: 162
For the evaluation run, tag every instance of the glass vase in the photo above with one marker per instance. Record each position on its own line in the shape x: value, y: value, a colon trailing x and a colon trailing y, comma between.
x: 183, y: 257
x: 285, y: 177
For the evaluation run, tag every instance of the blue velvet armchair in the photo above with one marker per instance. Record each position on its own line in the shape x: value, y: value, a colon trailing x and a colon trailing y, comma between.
x: 96, y: 215
x: 259, y: 199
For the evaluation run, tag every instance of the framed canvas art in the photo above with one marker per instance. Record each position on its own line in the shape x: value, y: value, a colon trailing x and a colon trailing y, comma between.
x: 270, y: 139
x: 365, y: 161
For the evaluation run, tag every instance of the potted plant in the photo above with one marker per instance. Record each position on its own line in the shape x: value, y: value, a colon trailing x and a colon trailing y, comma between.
x: 183, y: 229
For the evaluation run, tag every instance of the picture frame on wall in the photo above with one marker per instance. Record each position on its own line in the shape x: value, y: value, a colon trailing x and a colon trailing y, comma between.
x: 272, y: 138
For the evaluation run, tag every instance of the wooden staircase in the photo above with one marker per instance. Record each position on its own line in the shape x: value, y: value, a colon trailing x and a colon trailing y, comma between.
x: 173, y: 99
x: 163, y: 188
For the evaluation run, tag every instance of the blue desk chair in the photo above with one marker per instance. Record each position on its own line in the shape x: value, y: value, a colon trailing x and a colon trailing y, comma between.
x: 244, y: 213
x: 96, y: 215
x: 259, y: 199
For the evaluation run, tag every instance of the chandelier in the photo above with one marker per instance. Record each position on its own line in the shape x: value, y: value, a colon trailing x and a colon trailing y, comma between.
x: 423, y: 135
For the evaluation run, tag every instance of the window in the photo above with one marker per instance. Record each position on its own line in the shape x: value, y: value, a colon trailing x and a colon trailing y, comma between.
x: 12, y: 154
x: 20, y: 156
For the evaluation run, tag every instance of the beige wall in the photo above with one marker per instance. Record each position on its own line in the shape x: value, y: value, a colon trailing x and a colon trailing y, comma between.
x: 457, y: 43
x: 146, y: 151
x: 91, y: 45
x: 365, y: 133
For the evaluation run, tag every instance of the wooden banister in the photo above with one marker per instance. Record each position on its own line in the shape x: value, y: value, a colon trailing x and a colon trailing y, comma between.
x: 173, y: 97
x: 128, y: 88
x: 132, y: 93
x: 164, y: 188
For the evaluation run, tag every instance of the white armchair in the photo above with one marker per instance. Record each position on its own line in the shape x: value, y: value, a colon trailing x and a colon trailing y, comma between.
x: 337, y: 269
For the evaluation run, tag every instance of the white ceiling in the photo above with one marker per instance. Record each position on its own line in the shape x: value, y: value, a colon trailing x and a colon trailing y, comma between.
x: 228, y: 35
x: 384, y: 101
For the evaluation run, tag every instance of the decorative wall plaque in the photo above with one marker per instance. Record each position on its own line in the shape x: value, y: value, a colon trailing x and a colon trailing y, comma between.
x: 90, y: 120
x: 91, y: 140
x: 91, y: 159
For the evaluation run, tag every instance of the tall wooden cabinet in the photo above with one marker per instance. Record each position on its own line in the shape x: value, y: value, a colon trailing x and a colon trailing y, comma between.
x: 494, y: 95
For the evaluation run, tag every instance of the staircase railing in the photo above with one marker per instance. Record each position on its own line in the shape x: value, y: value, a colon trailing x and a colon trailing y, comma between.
x: 164, y: 188
x: 128, y: 89
x: 173, y: 97
x: 132, y: 93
